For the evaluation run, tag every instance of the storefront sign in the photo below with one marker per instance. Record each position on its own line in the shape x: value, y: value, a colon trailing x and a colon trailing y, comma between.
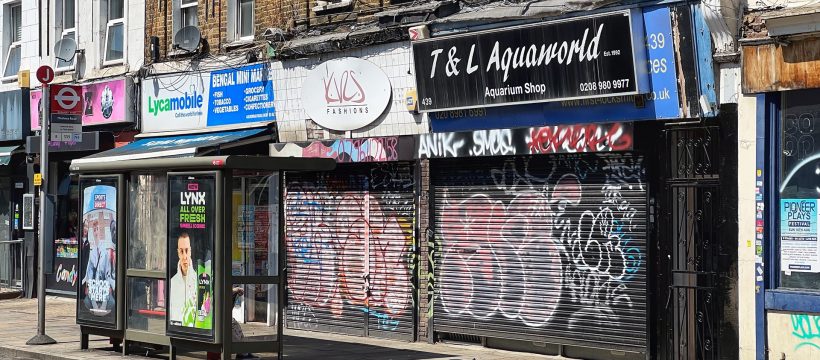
x: 379, y: 149
x: 191, y: 101
x: 65, y: 274
x: 98, y: 252
x: 191, y: 221
x: 572, y: 59
x: 527, y: 141
x: 799, y: 239
x: 11, y: 116
x: 104, y: 102
x: 346, y: 94
x: 660, y: 102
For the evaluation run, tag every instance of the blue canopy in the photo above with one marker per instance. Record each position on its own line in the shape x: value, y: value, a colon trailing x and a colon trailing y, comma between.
x: 171, y: 146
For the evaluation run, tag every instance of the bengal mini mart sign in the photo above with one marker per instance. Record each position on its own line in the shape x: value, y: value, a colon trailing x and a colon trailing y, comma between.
x: 588, y: 57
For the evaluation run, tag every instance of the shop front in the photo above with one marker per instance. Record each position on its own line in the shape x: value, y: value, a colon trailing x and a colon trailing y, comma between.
x: 351, y: 234
x: 558, y: 179
x: 780, y: 80
x: 106, y: 117
x: 13, y: 184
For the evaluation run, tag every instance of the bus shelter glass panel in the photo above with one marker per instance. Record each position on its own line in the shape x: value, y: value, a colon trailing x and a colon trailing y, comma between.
x: 97, y: 298
x: 255, y: 256
x: 146, y: 305
x: 192, y: 229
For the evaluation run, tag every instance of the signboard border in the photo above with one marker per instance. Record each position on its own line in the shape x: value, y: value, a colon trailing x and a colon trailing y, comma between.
x: 639, y: 57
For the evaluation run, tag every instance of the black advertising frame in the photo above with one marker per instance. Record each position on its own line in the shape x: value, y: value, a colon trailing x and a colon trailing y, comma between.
x: 621, y: 54
x: 119, y: 180
x: 180, y: 332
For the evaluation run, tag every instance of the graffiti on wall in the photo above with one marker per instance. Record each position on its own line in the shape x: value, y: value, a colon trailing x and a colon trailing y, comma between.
x: 351, y: 249
x: 806, y: 329
x: 544, y: 246
x: 525, y: 141
x: 391, y: 148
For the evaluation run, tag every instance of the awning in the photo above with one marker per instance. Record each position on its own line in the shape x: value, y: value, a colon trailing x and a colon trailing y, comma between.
x: 6, y: 152
x: 176, y: 146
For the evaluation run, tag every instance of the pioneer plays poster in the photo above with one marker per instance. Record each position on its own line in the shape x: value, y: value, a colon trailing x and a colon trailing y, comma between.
x: 98, y: 226
x: 191, y: 201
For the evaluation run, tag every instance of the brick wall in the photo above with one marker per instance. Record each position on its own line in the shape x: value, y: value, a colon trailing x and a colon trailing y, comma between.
x: 212, y: 18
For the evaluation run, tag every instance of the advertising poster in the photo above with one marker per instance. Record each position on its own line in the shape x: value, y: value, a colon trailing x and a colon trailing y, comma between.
x: 98, y: 226
x: 191, y: 201
x: 64, y: 275
x: 799, y: 245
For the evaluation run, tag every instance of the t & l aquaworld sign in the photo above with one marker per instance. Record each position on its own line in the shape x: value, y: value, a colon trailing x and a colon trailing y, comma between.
x: 587, y: 57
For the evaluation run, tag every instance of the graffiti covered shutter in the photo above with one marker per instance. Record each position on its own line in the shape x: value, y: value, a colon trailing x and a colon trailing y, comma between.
x: 350, y: 245
x: 542, y: 248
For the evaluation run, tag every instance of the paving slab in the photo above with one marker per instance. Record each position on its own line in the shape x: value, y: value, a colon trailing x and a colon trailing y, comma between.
x: 18, y: 323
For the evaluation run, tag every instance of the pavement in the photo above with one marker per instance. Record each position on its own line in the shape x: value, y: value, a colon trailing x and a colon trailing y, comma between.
x: 18, y: 323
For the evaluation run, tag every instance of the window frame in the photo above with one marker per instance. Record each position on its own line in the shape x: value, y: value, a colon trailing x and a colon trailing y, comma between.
x: 109, y: 23
x: 63, y: 34
x: 238, y: 21
x: 11, y: 43
x: 182, y: 7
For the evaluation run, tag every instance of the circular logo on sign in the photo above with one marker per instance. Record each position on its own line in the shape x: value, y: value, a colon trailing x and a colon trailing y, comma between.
x: 107, y: 102
x: 346, y: 94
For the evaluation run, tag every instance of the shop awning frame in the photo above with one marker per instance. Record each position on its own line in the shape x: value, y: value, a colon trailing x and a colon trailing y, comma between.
x: 232, y: 162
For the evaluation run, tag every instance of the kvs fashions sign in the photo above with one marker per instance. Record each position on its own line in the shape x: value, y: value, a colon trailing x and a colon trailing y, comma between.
x: 346, y: 94
x: 579, y: 58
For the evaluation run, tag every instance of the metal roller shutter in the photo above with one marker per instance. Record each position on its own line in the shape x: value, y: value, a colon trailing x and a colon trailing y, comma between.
x: 543, y: 248
x: 350, y: 244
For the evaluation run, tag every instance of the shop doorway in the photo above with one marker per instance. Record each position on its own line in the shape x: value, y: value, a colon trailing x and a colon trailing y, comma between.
x: 691, y: 290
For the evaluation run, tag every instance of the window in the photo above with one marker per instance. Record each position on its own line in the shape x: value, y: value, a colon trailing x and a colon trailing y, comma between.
x: 244, y: 19
x: 188, y: 15
x: 147, y: 222
x: 799, y: 190
x: 69, y: 29
x: 15, y: 34
x: 114, y: 32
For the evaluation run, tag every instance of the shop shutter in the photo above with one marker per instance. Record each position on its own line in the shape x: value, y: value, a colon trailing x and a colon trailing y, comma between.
x: 543, y: 248
x: 350, y: 243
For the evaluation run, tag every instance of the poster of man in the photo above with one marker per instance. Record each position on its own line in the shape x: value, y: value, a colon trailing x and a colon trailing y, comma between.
x: 190, y: 244
x: 98, y: 285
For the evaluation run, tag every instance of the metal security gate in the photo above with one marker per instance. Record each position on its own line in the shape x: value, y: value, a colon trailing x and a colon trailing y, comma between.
x: 350, y: 247
x: 690, y: 226
x: 543, y: 248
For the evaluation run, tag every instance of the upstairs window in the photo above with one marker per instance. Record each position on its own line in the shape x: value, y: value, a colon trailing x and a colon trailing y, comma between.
x: 14, y: 25
x: 244, y: 19
x: 69, y: 29
x: 188, y: 13
x: 114, y: 32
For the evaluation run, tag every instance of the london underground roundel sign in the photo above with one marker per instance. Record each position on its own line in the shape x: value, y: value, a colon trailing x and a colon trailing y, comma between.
x: 346, y: 94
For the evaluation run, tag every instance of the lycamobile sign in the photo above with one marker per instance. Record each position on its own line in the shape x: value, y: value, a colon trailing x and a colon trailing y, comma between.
x: 235, y: 97
x: 184, y: 102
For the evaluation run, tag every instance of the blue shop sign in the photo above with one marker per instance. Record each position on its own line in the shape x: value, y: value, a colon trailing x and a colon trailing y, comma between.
x: 660, y: 103
x: 241, y: 95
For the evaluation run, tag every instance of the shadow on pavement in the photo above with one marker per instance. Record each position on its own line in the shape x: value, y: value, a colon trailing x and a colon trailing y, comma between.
x: 306, y: 348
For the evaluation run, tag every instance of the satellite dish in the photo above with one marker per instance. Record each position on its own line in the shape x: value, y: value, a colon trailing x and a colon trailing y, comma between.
x: 188, y: 38
x: 65, y: 49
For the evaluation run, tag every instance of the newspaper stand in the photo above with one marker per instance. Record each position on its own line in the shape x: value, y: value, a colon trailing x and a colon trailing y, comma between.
x: 206, y: 209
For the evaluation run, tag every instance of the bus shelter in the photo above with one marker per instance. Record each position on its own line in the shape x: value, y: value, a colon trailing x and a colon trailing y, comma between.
x: 185, y: 252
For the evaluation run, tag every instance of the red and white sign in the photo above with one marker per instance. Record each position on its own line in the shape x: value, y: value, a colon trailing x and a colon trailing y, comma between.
x: 45, y: 74
x: 346, y: 94
x: 66, y: 99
